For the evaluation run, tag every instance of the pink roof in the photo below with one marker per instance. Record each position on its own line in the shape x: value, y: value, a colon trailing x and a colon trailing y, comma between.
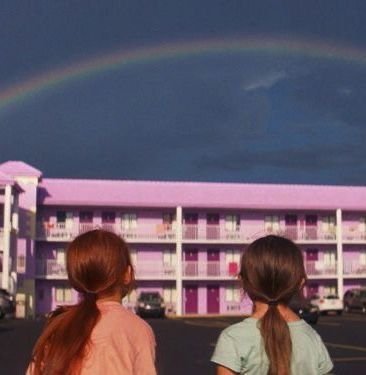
x: 196, y: 194
x: 19, y: 168
x: 5, y: 179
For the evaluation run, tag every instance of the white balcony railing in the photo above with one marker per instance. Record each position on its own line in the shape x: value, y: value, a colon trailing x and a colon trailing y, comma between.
x: 353, y: 267
x: 353, y: 233
x: 249, y: 232
x: 154, y: 269
x: 314, y: 268
x: 51, y: 268
x: 210, y: 269
x: 146, y: 232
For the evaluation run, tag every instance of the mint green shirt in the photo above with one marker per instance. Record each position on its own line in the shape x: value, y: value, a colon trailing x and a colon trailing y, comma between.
x: 240, y: 349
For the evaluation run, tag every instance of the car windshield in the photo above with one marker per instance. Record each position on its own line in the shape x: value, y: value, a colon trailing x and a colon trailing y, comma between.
x: 150, y: 297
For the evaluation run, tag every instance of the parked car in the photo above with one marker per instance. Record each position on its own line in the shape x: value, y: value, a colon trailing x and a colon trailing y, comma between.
x: 305, y: 309
x: 150, y: 304
x: 355, y: 299
x: 7, y: 305
x: 328, y: 303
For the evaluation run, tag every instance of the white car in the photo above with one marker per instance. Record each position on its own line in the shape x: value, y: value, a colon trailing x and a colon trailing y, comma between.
x: 328, y: 303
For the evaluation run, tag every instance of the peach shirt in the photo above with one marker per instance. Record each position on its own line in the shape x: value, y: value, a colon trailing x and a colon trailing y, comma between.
x: 121, y: 343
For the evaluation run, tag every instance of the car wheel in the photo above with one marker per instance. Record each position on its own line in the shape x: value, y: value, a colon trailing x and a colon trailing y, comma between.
x: 339, y: 312
x: 2, y: 314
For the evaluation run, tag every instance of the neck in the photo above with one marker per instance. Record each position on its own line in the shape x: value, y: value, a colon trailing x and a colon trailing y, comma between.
x: 260, y: 308
x: 115, y: 297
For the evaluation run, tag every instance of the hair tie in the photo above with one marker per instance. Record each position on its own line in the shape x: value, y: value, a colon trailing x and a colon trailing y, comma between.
x: 272, y: 302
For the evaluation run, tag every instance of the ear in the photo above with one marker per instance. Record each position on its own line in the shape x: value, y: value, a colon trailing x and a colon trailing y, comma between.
x: 127, y: 276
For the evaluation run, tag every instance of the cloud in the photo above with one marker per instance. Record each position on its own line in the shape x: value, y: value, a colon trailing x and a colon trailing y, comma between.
x: 265, y: 82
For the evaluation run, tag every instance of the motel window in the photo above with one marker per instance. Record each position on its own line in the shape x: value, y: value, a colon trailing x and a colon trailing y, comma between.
x: 328, y: 224
x: 60, y: 256
x: 272, y: 224
x: 362, y: 224
x: 86, y: 217
x: 169, y: 258
x: 61, y: 216
x: 170, y: 295
x: 108, y: 217
x: 21, y: 263
x: 232, y: 256
x: 63, y: 294
x: 232, y: 222
x: 363, y: 257
x: 329, y: 258
x: 129, y: 221
x: 169, y: 220
x: 232, y: 294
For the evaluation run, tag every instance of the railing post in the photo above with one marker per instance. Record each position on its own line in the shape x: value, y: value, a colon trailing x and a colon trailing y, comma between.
x: 339, y: 253
x: 179, y: 268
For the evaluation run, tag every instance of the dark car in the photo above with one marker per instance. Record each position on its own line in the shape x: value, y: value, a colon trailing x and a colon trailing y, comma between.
x: 355, y: 299
x: 150, y: 304
x: 305, y: 309
x: 7, y: 305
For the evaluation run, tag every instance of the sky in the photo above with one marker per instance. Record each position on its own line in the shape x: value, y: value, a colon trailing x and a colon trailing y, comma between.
x: 271, y: 115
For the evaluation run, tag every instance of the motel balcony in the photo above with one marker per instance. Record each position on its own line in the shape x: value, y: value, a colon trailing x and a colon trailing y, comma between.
x: 51, y: 269
x: 150, y: 270
x: 250, y: 232
x: 353, y: 268
x: 210, y: 269
x: 141, y: 233
x: 320, y: 269
x: 353, y: 233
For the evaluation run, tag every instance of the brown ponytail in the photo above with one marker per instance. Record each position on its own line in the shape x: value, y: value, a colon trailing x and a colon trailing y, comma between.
x: 96, y: 262
x: 272, y: 271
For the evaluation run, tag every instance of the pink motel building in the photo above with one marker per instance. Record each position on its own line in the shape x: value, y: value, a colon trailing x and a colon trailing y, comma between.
x: 186, y: 238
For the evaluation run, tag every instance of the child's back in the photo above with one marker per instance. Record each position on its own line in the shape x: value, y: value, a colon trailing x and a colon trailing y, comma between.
x: 120, y: 343
x: 240, y: 349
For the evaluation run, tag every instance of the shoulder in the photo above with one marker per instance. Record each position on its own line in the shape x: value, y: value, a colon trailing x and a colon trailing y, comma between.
x: 118, y: 321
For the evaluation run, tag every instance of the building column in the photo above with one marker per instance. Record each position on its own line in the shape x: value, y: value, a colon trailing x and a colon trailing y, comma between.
x: 15, y: 216
x: 179, y: 261
x: 339, y: 253
x: 6, y: 237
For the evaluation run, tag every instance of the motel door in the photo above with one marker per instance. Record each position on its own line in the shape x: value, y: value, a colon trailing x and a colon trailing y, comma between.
x: 312, y: 256
x: 190, y: 226
x: 191, y: 299
x: 311, y: 222
x: 213, y: 228
x: 291, y: 226
x: 213, y: 262
x: 191, y: 262
x: 213, y: 299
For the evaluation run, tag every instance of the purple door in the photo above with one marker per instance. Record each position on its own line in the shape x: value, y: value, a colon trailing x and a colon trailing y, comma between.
x: 191, y: 299
x: 191, y: 262
x: 213, y: 299
x: 291, y: 226
x: 312, y: 255
x: 311, y: 222
x: 213, y: 229
x: 213, y: 262
x: 190, y: 226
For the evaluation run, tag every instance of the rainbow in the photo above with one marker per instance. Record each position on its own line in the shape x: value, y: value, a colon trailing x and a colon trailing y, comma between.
x: 116, y: 60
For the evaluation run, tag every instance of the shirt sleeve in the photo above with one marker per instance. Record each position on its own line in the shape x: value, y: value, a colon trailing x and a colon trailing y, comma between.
x: 225, y: 353
x: 144, y: 363
x: 325, y: 364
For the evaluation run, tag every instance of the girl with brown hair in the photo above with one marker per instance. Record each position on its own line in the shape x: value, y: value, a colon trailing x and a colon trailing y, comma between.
x: 97, y: 335
x: 273, y: 340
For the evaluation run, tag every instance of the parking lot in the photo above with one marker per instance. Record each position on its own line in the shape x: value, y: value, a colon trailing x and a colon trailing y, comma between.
x: 185, y: 345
